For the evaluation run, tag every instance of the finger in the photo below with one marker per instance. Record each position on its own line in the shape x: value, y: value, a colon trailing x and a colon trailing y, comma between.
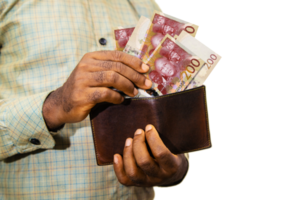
x: 112, y: 79
x: 137, y: 78
x: 161, y: 153
x: 119, y: 56
x: 120, y: 172
x: 142, y: 156
x: 134, y: 173
x: 103, y: 94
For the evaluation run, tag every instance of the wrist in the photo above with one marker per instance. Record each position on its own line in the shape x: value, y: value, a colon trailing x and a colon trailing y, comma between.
x: 52, y: 113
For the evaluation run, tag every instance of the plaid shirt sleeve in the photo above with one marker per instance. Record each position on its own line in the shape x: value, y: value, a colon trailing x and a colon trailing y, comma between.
x: 21, y: 120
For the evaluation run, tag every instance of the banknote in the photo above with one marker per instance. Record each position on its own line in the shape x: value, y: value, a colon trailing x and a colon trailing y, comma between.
x: 121, y: 36
x: 210, y: 57
x: 148, y: 34
x: 135, y: 43
x: 161, y: 25
x: 172, y: 66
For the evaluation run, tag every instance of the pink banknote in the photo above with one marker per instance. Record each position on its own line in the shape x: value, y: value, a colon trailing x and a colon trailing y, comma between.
x: 210, y: 57
x: 162, y: 25
x: 122, y: 36
x: 172, y: 66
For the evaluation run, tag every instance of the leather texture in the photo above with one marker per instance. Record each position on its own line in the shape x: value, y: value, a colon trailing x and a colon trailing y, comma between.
x: 181, y: 120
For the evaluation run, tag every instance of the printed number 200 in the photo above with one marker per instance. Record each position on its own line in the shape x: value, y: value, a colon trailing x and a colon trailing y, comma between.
x: 190, y: 68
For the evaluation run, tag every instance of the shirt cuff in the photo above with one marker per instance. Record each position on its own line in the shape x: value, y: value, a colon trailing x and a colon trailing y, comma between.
x: 25, y: 128
x: 187, y: 174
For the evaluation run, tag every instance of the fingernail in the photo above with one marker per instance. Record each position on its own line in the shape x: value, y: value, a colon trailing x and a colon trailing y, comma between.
x: 148, y: 128
x: 145, y: 67
x: 115, y: 159
x: 128, y: 142
x: 138, y: 132
x: 135, y: 91
x: 148, y: 83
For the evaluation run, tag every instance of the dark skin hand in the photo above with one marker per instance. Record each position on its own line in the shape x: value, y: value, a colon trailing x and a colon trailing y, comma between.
x: 88, y: 85
x: 138, y: 168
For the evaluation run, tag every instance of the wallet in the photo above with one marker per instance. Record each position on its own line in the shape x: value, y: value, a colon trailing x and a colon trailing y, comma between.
x: 181, y: 120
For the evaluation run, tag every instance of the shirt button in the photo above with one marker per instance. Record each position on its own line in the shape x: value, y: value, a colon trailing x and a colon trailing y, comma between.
x: 102, y: 41
x: 35, y: 141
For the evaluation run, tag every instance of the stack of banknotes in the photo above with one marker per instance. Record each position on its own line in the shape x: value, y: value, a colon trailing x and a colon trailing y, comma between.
x: 168, y: 46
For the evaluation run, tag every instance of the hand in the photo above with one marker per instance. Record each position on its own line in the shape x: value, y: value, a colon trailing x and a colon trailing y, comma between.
x: 138, y: 168
x: 88, y: 85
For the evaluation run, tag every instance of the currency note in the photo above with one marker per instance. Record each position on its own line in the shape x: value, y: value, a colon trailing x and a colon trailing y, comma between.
x: 210, y: 58
x: 148, y: 34
x: 161, y: 25
x: 172, y: 66
x: 135, y: 43
x: 121, y: 36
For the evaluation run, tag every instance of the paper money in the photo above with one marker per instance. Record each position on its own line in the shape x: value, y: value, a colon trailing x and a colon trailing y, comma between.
x: 210, y: 57
x: 148, y: 34
x: 172, y: 66
x: 121, y: 36
x: 162, y: 24
x: 135, y: 44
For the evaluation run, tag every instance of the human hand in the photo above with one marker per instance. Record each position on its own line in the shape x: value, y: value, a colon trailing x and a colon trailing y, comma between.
x: 138, y: 168
x: 88, y: 85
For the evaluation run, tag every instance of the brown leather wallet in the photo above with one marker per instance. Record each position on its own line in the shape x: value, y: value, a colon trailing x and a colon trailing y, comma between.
x: 181, y: 120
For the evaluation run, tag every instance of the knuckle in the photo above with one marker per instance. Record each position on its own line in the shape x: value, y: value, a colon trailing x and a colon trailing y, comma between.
x: 117, y: 55
x: 79, y: 82
x: 78, y: 77
x: 113, y: 77
x: 95, y: 96
x: 105, y: 94
x: 106, y: 65
x: 100, y: 77
x: 119, y: 67
x: 82, y: 65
